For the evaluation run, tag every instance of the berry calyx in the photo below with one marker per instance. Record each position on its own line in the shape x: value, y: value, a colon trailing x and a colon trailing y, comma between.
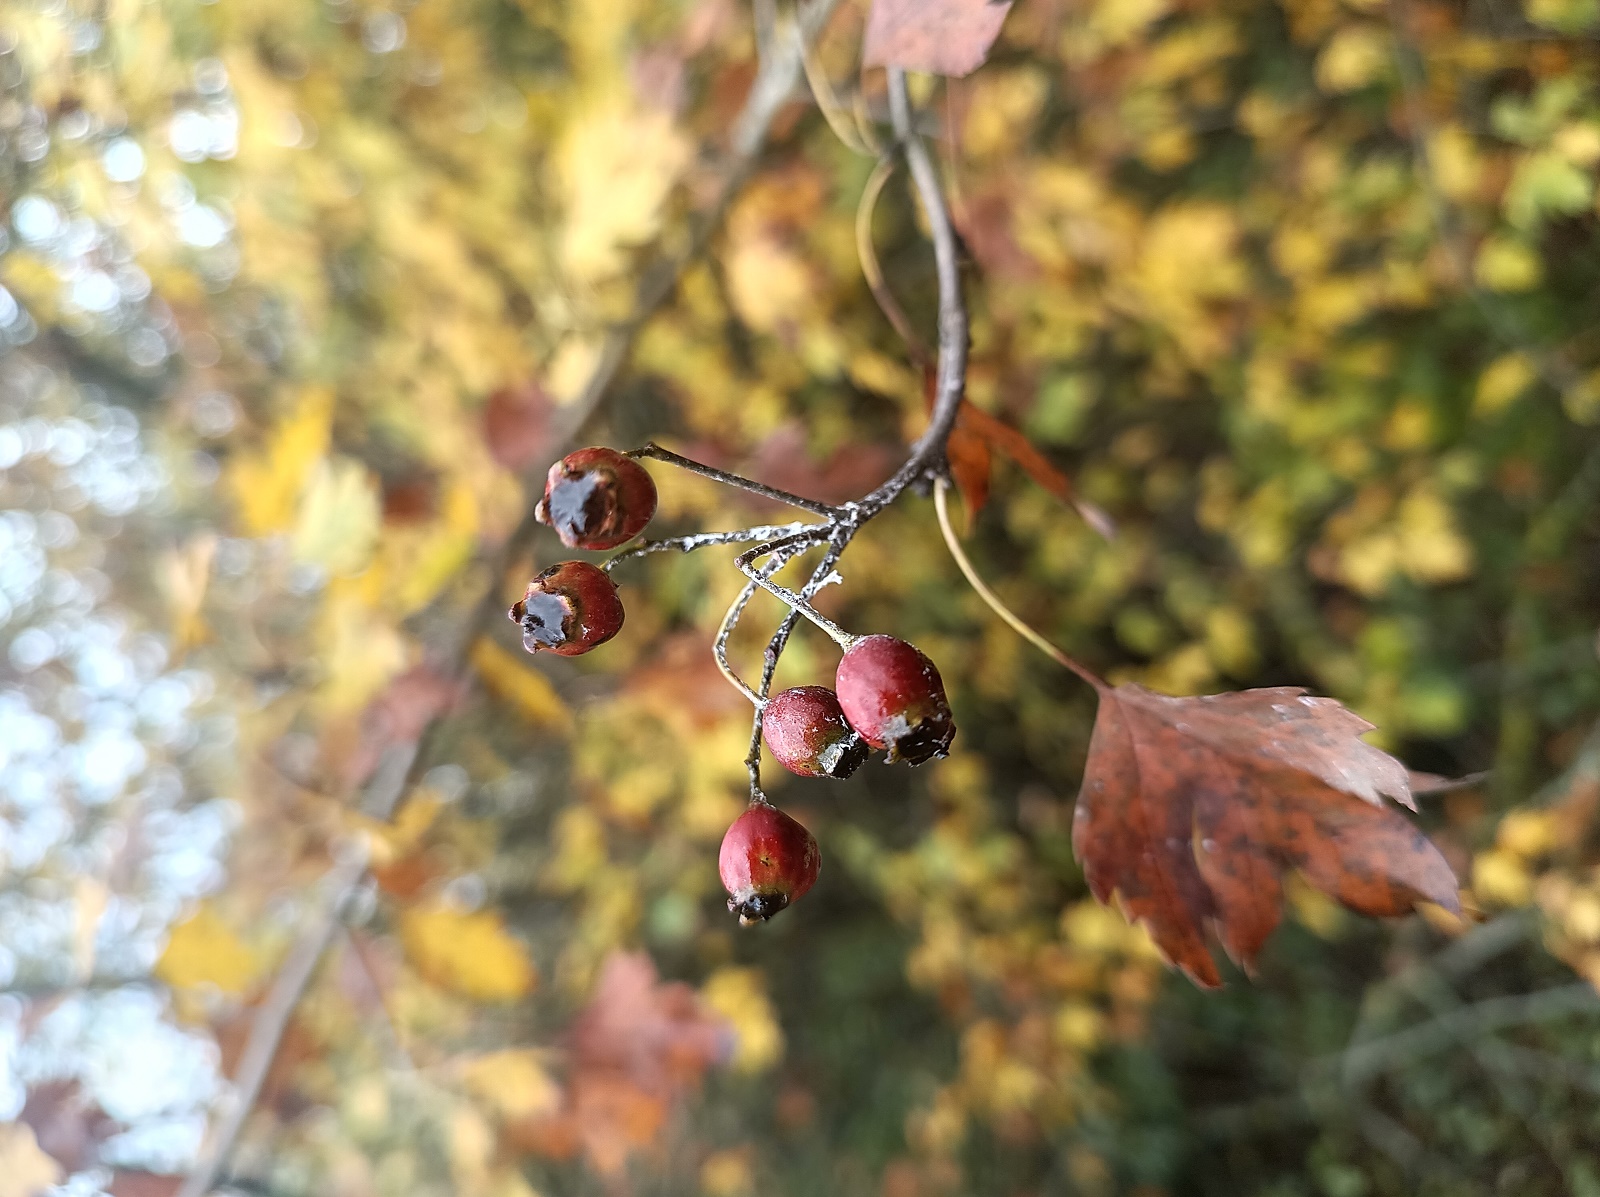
x: 806, y: 730
x: 892, y: 694
x: 597, y: 498
x: 568, y: 609
x: 767, y: 862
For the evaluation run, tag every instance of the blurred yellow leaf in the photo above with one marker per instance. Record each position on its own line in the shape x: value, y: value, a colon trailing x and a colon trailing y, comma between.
x: 616, y: 166
x: 339, y: 517
x: 1506, y: 378
x: 740, y: 996
x: 470, y: 952
x: 25, y: 1170
x: 522, y: 685
x: 203, y: 950
x: 1499, y: 877
x: 267, y: 486
x: 514, y: 1083
x: 1506, y: 265
x: 185, y: 575
x: 1356, y: 56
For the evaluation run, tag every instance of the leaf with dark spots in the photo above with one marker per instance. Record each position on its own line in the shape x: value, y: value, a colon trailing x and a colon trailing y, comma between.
x: 943, y: 37
x: 1192, y: 808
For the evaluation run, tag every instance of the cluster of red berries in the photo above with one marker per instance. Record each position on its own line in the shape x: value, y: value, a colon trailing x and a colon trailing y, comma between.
x: 887, y: 694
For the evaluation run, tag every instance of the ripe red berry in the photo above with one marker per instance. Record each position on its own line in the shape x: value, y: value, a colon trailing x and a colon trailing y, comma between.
x: 597, y: 498
x: 569, y: 609
x: 767, y: 862
x: 893, y: 695
x: 807, y: 732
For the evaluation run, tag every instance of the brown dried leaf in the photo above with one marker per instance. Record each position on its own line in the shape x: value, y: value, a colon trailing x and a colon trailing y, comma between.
x: 516, y: 425
x: 637, y: 1048
x: 1192, y: 808
x: 943, y: 37
x: 968, y: 454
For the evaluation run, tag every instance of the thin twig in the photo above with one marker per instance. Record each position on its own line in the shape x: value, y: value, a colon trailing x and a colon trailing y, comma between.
x: 655, y: 452
x: 870, y: 268
x: 1375, y: 1056
x: 706, y: 540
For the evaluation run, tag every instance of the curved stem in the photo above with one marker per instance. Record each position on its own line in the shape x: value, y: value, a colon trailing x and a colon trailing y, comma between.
x: 941, y: 506
x: 745, y: 563
x: 655, y: 452
x: 868, y: 255
x: 719, y: 648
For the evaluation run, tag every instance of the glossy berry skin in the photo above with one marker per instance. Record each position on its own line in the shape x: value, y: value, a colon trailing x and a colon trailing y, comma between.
x: 569, y: 609
x: 597, y: 498
x: 893, y: 695
x: 807, y: 731
x: 767, y: 862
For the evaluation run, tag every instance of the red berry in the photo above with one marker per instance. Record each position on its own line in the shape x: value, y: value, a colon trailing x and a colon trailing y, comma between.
x: 808, y: 734
x: 767, y: 861
x: 893, y: 695
x: 596, y: 499
x: 569, y: 609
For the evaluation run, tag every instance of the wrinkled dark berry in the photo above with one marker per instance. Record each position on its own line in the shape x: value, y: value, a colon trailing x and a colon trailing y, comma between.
x: 569, y: 609
x: 806, y: 730
x: 893, y: 695
x: 768, y: 861
x: 597, y: 498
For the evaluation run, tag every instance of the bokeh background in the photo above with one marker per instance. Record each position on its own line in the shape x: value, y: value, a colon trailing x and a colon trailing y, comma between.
x: 298, y: 296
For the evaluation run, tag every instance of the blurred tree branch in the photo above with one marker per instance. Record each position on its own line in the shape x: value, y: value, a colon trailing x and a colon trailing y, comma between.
x: 776, y: 81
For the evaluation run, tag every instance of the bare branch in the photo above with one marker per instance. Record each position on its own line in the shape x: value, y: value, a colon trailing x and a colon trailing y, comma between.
x: 655, y: 452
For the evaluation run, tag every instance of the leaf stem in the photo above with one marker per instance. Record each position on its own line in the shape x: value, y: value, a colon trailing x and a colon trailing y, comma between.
x: 942, y: 507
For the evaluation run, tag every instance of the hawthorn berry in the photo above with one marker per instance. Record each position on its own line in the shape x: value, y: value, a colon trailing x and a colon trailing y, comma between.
x: 807, y: 731
x: 892, y: 694
x: 767, y: 861
x: 568, y: 609
x: 597, y: 498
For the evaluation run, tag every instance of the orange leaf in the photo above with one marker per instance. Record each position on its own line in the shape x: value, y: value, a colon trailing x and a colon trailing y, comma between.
x: 968, y: 454
x: 1192, y: 808
x: 943, y: 37
x: 969, y: 451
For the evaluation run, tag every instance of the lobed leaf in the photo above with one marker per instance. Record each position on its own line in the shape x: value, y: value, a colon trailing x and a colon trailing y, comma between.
x: 1192, y: 808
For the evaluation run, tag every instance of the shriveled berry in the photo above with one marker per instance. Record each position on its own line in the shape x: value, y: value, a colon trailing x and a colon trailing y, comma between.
x: 569, y: 609
x: 767, y: 862
x: 806, y: 730
x: 597, y: 498
x: 893, y: 695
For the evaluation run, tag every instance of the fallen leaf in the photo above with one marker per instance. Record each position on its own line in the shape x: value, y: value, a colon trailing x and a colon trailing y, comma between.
x: 470, y: 952
x: 1192, y: 809
x: 942, y: 37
